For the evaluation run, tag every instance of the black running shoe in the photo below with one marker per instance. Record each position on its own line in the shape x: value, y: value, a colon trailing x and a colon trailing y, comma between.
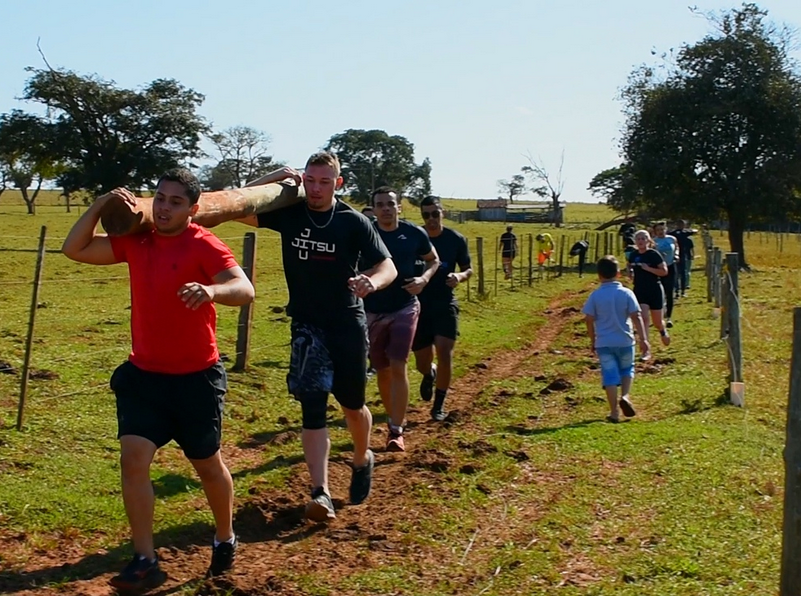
x: 361, y: 480
x: 140, y: 575
x: 222, y: 558
x: 427, y: 384
x: 321, y: 507
x: 438, y: 413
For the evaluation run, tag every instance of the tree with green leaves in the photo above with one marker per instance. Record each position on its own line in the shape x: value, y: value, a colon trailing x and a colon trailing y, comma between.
x: 26, y: 156
x: 372, y: 158
x: 109, y: 137
x: 619, y: 189
x: 716, y: 132
x: 243, y: 157
x: 514, y: 187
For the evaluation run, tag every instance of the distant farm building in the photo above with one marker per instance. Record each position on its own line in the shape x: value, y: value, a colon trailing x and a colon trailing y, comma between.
x: 528, y: 212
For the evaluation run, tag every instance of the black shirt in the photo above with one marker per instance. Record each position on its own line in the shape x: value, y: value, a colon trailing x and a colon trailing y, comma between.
x: 320, y: 252
x: 579, y: 247
x: 407, y: 244
x: 645, y: 280
x: 685, y: 242
x: 452, y: 250
x: 508, y: 243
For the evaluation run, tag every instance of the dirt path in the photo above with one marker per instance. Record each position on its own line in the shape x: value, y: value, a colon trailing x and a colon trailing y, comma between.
x: 275, y: 537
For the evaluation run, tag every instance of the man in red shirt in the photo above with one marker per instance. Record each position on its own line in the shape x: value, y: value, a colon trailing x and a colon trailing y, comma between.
x: 173, y: 384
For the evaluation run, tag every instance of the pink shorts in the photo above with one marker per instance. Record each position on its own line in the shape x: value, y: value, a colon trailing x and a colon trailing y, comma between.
x: 391, y: 335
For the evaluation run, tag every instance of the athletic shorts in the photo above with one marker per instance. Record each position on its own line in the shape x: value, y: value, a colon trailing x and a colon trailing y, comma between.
x: 442, y: 321
x: 162, y: 407
x: 508, y: 255
x: 653, y: 297
x: 391, y: 335
x: 329, y: 361
x: 616, y: 364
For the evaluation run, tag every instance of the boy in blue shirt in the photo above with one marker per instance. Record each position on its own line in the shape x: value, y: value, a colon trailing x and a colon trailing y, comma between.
x: 610, y: 312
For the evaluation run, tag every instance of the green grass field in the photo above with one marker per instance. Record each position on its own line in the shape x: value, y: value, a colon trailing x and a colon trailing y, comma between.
x: 684, y: 499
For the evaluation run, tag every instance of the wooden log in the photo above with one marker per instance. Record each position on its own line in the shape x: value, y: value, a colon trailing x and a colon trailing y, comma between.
x: 119, y: 218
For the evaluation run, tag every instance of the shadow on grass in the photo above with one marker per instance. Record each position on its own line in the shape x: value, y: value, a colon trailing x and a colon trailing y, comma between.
x: 272, y: 364
x: 691, y: 406
x: 91, y: 566
x: 531, y: 432
x: 169, y: 485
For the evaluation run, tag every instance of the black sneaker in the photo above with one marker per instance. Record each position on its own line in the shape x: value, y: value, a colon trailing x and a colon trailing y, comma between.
x: 222, y: 558
x: 438, y: 413
x: 361, y: 480
x: 140, y: 575
x: 669, y: 324
x: 321, y: 507
x: 427, y: 384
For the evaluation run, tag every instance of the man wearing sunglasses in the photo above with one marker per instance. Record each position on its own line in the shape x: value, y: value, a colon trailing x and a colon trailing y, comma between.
x: 438, y: 325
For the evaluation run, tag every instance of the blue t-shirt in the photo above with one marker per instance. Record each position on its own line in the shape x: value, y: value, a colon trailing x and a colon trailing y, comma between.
x: 667, y: 248
x: 610, y: 306
x: 407, y: 243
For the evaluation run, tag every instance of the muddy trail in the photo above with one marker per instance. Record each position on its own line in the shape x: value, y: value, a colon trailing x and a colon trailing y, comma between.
x: 275, y: 537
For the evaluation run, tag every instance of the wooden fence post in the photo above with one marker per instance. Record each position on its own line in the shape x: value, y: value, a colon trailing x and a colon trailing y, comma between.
x: 245, y: 324
x: 732, y: 299
x: 37, y: 283
x: 562, y: 241
x: 495, y: 278
x: 791, y: 536
x: 530, y: 260
x: 717, y: 260
x: 597, y: 245
x: 480, y: 249
x: 709, y: 275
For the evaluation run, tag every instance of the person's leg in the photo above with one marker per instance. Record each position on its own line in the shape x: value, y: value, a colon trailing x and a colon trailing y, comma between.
x: 444, y: 347
x: 136, y: 455
x: 625, y: 359
x: 219, y: 488
x: 659, y: 322
x: 645, y: 310
x: 581, y: 256
x: 399, y: 391
x: 667, y: 286
x: 687, y: 272
x: 610, y: 379
x: 384, y: 379
x: 359, y: 423
x: 314, y: 437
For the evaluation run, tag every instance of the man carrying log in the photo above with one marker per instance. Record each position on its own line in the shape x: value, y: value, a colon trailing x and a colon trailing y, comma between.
x: 322, y: 239
x: 173, y: 385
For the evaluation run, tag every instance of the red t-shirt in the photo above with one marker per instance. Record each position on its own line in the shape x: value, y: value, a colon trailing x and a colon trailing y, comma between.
x: 166, y: 336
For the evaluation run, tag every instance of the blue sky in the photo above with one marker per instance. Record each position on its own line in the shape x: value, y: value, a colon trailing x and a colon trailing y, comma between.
x: 475, y: 85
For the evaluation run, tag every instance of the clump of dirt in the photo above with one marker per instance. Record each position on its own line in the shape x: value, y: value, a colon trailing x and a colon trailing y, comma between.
x: 433, y: 461
x: 557, y: 385
x: 42, y: 375
x: 7, y: 369
x: 479, y: 448
x: 283, y: 438
x: 517, y: 455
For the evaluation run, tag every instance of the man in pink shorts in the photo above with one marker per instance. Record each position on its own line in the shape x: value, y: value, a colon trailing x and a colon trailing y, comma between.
x: 392, y: 312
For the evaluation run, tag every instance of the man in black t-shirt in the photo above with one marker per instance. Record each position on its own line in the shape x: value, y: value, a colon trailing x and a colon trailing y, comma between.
x: 686, y: 246
x: 508, y: 250
x: 392, y: 313
x: 579, y: 249
x: 321, y: 242
x: 438, y: 325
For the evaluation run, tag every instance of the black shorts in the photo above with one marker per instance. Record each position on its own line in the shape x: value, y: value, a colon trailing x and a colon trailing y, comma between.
x: 653, y: 296
x: 508, y: 255
x: 161, y: 407
x: 330, y: 361
x: 435, y: 320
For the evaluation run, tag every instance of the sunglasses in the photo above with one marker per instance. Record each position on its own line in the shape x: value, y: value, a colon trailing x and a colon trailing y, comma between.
x: 427, y: 214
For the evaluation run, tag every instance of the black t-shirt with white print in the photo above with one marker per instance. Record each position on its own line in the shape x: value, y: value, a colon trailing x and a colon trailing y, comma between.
x: 320, y: 252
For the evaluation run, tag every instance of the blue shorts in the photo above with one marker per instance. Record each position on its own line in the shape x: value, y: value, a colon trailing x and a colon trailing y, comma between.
x: 616, y: 363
